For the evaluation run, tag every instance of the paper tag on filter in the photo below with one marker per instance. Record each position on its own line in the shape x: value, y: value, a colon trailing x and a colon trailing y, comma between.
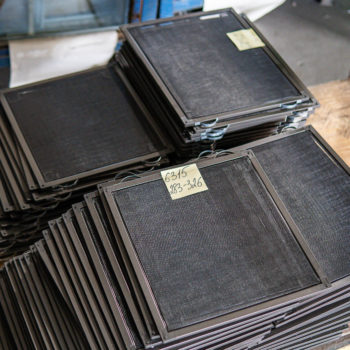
x: 245, y: 39
x: 183, y: 181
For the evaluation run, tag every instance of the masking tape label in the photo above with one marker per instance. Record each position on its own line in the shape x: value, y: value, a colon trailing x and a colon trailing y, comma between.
x: 245, y: 39
x: 183, y: 181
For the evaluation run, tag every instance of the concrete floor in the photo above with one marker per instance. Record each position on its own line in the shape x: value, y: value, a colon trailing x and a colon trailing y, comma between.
x: 313, y: 39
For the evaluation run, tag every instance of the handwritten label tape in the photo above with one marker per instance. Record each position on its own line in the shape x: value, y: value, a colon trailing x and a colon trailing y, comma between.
x: 245, y: 39
x: 183, y: 181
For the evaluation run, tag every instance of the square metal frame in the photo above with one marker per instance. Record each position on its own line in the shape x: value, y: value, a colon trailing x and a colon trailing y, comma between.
x: 199, y: 339
x: 30, y: 157
x: 91, y: 201
x: 173, y: 128
x: 214, y: 322
x: 305, y: 95
x: 321, y: 141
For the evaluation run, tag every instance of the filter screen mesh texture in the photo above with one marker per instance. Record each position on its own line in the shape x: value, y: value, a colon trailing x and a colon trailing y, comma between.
x: 317, y: 194
x: 205, y: 71
x: 214, y: 252
x: 80, y: 123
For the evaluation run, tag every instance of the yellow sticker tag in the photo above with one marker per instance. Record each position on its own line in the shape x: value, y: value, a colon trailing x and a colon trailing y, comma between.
x: 245, y: 39
x: 183, y: 181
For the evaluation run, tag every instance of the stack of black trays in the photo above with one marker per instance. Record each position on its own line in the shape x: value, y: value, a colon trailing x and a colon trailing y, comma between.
x: 260, y: 260
x: 206, y: 92
x: 61, y: 137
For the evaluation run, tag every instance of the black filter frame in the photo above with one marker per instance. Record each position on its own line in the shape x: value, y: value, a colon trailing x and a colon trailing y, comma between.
x: 305, y: 95
x: 167, y: 335
x: 164, y: 147
x: 92, y: 200
x: 290, y: 132
x: 160, y: 108
x: 324, y: 146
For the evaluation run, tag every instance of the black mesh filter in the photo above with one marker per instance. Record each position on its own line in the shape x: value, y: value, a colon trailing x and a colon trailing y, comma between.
x: 81, y: 123
x: 316, y: 192
x: 215, y: 252
x: 203, y: 69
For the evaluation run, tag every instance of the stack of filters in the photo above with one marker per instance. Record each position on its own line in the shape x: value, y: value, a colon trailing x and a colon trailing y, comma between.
x: 313, y: 182
x: 315, y: 321
x: 182, y: 85
x: 259, y: 260
x: 61, y: 137
x: 212, y: 80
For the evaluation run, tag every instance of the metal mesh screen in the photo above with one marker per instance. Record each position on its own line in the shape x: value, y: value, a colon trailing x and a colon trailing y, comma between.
x: 214, y: 252
x: 317, y: 194
x: 81, y: 123
x: 205, y: 71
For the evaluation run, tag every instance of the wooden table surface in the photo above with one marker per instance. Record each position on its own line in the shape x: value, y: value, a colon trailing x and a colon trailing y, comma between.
x: 332, y: 119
